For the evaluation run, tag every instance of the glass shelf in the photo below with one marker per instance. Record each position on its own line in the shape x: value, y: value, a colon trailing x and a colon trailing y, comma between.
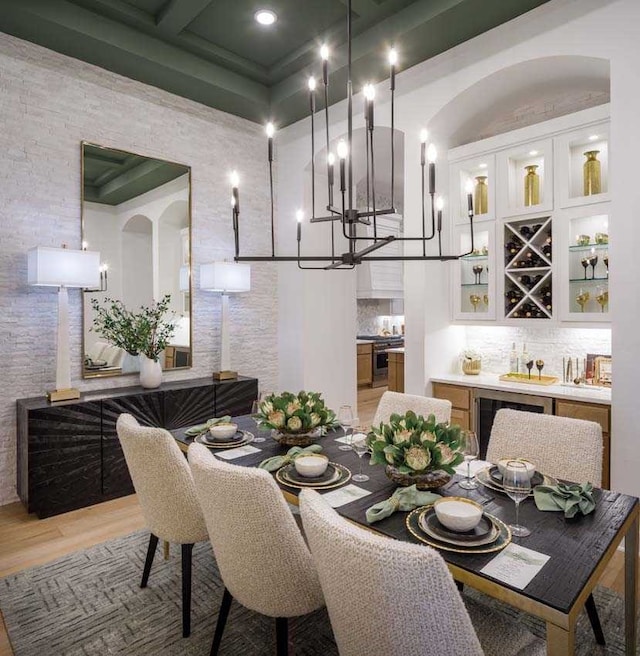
x: 597, y: 247
x: 588, y: 280
x: 474, y: 284
x: 480, y: 256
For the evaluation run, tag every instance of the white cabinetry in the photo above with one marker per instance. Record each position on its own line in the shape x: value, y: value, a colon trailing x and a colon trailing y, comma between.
x: 568, y: 215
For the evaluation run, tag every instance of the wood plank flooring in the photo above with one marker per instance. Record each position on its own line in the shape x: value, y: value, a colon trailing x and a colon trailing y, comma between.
x: 26, y: 541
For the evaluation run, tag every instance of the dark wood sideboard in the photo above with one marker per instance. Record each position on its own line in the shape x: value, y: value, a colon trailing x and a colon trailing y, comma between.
x: 69, y: 455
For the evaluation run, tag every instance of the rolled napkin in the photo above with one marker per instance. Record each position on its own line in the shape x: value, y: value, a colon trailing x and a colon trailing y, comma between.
x: 274, y: 463
x: 194, y: 431
x: 404, y: 498
x: 570, y: 497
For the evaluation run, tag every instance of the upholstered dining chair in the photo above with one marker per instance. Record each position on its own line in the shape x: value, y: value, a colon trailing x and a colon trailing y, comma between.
x: 166, y: 493
x: 263, y: 559
x: 390, y: 597
x: 396, y: 402
x: 561, y: 447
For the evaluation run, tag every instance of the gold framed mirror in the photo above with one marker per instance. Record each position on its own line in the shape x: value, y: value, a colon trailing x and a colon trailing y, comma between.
x: 136, y: 211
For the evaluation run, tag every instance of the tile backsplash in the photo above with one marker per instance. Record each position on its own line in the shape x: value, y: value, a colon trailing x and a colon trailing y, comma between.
x: 550, y: 344
x: 372, y: 313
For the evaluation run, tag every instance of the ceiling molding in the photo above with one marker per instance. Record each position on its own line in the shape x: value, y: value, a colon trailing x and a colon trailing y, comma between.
x: 178, y: 14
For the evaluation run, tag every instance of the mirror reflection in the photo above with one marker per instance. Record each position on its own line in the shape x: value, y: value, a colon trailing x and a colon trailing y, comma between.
x: 136, y: 211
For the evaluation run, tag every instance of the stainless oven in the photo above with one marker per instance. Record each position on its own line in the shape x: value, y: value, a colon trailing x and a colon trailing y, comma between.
x: 488, y: 402
x: 380, y: 362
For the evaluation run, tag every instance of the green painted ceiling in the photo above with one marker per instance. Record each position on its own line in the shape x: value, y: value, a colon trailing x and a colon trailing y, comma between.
x: 112, y: 176
x: 213, y: 51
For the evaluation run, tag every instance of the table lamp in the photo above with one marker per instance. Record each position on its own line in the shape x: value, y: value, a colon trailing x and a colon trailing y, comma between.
x: 227, y: 278
x: 63, y: 268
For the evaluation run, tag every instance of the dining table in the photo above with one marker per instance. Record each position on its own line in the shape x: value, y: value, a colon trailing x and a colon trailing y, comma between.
x: 579, y: 549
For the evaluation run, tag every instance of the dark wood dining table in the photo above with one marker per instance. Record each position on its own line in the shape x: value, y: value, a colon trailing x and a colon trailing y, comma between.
x: 579, y: 549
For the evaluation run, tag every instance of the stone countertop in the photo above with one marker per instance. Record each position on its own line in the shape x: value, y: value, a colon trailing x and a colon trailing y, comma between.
x: 399, y: 349
x: 585, y: 394
x: 364, y: 341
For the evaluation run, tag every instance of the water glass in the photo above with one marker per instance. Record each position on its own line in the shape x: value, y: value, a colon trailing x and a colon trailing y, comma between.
x: 359, y: 445
x: 471, y: 450
x: 255, y: 409
x: 517, y: 485
x: 346, y: 420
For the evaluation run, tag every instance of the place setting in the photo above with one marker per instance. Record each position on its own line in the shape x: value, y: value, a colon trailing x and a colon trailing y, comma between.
x: 220, y: 433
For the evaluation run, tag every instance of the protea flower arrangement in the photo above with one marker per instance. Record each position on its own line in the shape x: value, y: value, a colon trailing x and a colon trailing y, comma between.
x: 416, y: 450
x: 303, y: 415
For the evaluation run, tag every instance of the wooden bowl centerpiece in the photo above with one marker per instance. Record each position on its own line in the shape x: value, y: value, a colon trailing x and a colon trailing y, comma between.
x: 295, y: 419
x: 416, y: 450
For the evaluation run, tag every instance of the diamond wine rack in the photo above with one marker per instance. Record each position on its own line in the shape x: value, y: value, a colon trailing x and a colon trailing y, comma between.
x: 527, y: 277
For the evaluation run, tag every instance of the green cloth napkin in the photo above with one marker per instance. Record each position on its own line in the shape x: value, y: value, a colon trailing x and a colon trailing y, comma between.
x: 194, y: 431
x: 274, y: 463
x: 570, y: 497
x: 404, y: 498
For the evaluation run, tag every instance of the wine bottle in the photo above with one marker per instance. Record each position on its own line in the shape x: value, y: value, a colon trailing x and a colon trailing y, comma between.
x: 525, y: 280
x: 525, y: 231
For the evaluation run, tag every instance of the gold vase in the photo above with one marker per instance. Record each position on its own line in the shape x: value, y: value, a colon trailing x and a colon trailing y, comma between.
x: 591, y: 173
x: 481, y: 201
x: 531, y: 186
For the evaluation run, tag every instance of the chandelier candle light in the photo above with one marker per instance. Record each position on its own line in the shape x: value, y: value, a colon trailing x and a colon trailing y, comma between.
x: 346, y: 215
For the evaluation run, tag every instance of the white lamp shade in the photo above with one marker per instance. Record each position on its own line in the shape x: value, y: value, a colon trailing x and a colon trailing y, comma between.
x: 226, y: 277
x: 58, y: 267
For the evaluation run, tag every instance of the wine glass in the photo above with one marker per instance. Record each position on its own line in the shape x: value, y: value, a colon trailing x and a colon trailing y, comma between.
x: 477, y: 272
x: 605, y: 259
x: 485, y: 299
x: 517, y: 485
x: 474, y: 299
x: 582, y: 298
x: 585, y: 263
x: 593, y: 260
x: 359, y: 445
x: 346, y: 420
x: 255, y: 409
x: 471, y: 450
x: 602, y: 297
x: 539, y: 367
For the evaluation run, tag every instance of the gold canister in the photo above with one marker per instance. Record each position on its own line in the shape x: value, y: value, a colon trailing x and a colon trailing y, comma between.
x: 481, y: 200
x: 591, y: 173
x: 531, y: 186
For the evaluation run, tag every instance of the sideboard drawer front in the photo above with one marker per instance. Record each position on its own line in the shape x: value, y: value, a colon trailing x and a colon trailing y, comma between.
x: 64, y: 458
x: 186, y: 407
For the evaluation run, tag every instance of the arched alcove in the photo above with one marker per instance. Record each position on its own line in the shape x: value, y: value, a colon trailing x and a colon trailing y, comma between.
x: 526, y: 93
x: 137, y: 261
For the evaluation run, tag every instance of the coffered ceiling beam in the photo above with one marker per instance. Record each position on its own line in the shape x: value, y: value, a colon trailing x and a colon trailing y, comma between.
x: 178, y: 14
x: 74, y: 31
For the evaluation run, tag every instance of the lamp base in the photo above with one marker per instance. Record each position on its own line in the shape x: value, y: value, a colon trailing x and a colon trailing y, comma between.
x: 63, y: 395
x: 225, y: 375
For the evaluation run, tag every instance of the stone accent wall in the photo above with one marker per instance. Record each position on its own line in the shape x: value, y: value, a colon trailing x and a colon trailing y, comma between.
x: 49, y: 103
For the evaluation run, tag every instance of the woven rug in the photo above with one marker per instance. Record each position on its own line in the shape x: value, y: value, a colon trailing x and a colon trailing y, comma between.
x: 90, y: 603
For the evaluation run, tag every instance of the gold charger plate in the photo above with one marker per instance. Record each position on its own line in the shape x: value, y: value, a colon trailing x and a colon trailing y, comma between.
x: 484, y: 478
x: 345, y: 475
x: 248, y: 438
x: 413, y: 525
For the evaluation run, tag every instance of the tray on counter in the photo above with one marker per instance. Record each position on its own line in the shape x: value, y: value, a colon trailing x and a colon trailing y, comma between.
x: 524, y: 378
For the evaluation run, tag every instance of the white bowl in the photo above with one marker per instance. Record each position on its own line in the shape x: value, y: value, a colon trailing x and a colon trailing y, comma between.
x: 502, y: 465
x: 311, y: 465
x: 457, y: 513
x: 223, y: 431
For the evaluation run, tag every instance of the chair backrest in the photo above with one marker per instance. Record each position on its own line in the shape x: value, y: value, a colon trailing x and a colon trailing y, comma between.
x: 262, y: 556
x: 391, y: 402
x: 384, y: 596
x: 559, y: 446
x: 163, y: 482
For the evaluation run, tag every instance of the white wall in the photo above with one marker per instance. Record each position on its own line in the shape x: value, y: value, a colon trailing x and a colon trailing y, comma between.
x: 49, y: 103
x: 597, y: 28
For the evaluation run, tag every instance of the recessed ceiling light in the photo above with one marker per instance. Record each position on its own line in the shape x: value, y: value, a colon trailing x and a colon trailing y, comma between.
x: 483, y: 165
x: 533, y: 153
x: 265, y: 17
x: 594, y: 137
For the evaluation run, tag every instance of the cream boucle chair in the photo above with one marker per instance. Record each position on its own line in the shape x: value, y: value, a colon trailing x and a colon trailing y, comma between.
x: 261, y: 554
x: 390, y: 597
x: 399, y: 403
x: 559, y: 446
x: 167, y: 496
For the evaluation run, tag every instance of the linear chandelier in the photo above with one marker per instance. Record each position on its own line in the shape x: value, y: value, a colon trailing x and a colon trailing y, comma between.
x: 345, y: 217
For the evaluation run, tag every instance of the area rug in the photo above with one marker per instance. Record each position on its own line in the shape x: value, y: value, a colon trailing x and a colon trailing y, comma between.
x: 90, y: 603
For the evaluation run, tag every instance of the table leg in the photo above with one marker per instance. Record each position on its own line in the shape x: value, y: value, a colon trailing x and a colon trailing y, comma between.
x: 630, y: 583
x: 166, y: 550
x: 560, y: 642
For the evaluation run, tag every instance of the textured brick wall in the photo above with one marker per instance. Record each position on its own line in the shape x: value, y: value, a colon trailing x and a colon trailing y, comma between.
x: 49, y: 103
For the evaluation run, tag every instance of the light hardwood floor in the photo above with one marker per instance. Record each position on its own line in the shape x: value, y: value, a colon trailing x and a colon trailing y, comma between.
x: 26, y: 541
